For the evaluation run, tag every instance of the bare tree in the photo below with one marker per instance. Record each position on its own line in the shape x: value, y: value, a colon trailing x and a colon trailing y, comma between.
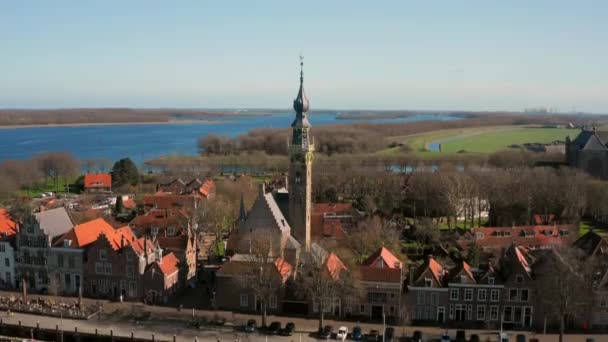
x: 326, y: 285
x: 565, y: 279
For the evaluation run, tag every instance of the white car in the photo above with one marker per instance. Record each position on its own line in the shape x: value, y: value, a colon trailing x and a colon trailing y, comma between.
x: 342, y: 333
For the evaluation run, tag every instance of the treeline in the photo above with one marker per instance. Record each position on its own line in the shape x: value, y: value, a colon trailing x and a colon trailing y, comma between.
x: 355, y: 138
x: 20, y: 117
x: 511, y: 196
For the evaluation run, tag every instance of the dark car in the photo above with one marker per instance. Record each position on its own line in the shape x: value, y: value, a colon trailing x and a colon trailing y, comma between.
x: 357, y: 334
x: 250, y: 326
x: 417, y: 336
x: 389, y: 334
x: 373, y: 335
x: 274, y: 328
x: 288, y: 330
x: 461, y: 336
x: 474, y: 338
x: 520, y: 338
x: 326, y: 332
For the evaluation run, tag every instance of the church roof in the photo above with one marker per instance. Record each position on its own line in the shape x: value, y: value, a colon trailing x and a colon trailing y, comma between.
x: 301, y: 104
x: 591, y: 140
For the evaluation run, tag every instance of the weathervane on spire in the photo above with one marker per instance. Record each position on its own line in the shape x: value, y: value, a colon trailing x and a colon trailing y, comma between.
x: 301, y: 67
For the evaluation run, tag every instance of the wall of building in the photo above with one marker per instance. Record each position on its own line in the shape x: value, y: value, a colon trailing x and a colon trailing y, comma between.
x: 7, y: 265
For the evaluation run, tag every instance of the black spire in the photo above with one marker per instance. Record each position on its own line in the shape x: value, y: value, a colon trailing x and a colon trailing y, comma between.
x: 301, y: 104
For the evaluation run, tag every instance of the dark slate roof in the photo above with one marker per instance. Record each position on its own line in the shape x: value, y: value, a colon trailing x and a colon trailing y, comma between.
x: 591, y: 140
x: 589, y: 242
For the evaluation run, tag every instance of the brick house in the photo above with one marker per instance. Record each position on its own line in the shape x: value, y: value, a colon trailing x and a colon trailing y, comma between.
x: 381, y: 277
x: 194, y: 187
x: 184, y: 248
x: 161, y: 280
x: 34, y: 239
x: 231, y: 293
x: 427, y: 297
x: 97, y: 182
x: 534, y: 237
x: 474, y: 296
x: 518, y: 294
x: 596, y: 246
x: 115, y: 263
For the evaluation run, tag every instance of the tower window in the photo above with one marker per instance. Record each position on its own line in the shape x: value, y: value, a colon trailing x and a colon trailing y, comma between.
x: 298, y: 178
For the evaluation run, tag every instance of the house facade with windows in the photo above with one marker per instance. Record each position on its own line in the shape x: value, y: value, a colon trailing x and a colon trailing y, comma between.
x: 518, y: 294
x: 8, y: 232
x: 161, y: 280
x: 426, y: 300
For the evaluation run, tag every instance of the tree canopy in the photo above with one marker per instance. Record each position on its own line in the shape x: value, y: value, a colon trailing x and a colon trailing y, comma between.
x: 124, y: 172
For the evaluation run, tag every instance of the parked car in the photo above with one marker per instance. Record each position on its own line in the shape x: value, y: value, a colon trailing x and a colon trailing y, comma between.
x: 357, y: 334
x: 389, y: 334
x: 474, y: 338
x: 373, y: 335
x: 290, y: 327
x: 461, y: 336
x: 326, y: 332
x: 274, y: 328
x: 445, y: 337
x: 342, y: 333
x: 504, y: 337
x: 417, y: 336
x: 250, y: 326
x: 520, y: 338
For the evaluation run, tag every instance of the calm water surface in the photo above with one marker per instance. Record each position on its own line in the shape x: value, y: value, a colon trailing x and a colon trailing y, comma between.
x: 142, y: 142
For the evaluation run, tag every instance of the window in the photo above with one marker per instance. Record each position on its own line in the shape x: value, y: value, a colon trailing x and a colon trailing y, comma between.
x: 481, y: 295
x: 103, y: 255
x: 451, y: 311
x: 468, y: 295
x: 481, y: 312
x: 428, y: 282
x: 71, y: 262
x: 494, y: 313
x: 77, y: 281
x: 68, y: 280
x: 453, y: 294
x: 513, y: 294
x: 362, y: 309
x: 108, y: 268
x: 99, y: 267
x: 7, y: 262
x: 315, y: 306
x: 469, y: 312
x: 129, y: 256
x: 491, y: 280
x: 129, y: 271
x: 2, y: 247
x: 519, y: 279
x: 420, y: 298
x: 8, y: 279
x: 132, y: 289
x: 479, y: 236
x: 244, y: 300
x: 433, y: 298
x: 273, y: 302
x: 524, y: 295
x: 507, y: 314
x: 494, y: 295
x: 60, y: 260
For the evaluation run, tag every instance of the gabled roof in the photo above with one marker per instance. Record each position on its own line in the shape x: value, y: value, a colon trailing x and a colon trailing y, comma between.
x: 207, y: 188
x: 516, y: 257
x: 7, y: 226
x: 591, y: 140
x: 54, y: 222
x: 97, y: 180
x: 592, y: 244
x: 84, y: 234
x: 334, y: 266
x: 382, y: 275
x: 435, y: 268
x: 177, y: 243
x: 332, y: 227
x: 241, y: 265
x: 461, y: 270
x: 283, y: 267
x: 169, y: 264
x: 383, y: 258
x: 540, y: 236
x: 594, y: 144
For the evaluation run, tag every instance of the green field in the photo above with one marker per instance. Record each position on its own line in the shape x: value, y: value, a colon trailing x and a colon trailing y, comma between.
x: 481, y: 139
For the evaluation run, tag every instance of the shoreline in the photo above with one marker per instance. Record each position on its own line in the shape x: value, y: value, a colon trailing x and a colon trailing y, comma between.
x: 84, y: 124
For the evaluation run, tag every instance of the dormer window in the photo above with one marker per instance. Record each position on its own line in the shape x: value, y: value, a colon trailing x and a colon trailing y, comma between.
x: 428, y: 282
x: 491, y: 280
x: 519, y: 279
x: 463, y: 278
x: 479, y: 236
x: 103, y: 255
x: 67, y: 243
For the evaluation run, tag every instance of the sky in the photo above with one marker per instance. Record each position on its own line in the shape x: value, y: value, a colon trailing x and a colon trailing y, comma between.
x: 434, y: 55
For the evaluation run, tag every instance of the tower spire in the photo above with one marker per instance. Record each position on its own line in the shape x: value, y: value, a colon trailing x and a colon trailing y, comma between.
x: 301, y: 104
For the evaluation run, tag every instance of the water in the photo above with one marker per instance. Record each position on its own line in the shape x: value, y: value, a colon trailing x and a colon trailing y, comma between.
x: 143, y: 142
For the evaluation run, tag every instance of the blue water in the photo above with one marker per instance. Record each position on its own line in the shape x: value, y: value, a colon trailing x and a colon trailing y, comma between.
x: 143, y: 142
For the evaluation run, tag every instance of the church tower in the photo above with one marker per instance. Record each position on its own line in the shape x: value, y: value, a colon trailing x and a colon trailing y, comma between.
x: 300, y: 168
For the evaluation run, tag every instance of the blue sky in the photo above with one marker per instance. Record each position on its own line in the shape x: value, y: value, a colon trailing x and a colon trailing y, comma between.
x: 470, y: 55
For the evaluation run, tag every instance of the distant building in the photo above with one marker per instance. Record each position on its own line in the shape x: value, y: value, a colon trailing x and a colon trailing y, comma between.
x: 588, y: 152
x: 97, y: 182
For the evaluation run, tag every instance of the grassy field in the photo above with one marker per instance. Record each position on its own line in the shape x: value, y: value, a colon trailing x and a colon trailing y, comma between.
x: 480, y: 139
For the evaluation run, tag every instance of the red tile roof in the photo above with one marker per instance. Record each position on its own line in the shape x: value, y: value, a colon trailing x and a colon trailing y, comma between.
x: 334, y: 266
x: 542, y: 236
x: 332, y: 227
x: 168, y: 201
x: 384, y: 275
x: 383, y: 258
x: 169, y: 264
x: 97, y: 180
x: 7, y: 226
x: 283, y: 267
x: 85, y: 234
x: 207, y: 188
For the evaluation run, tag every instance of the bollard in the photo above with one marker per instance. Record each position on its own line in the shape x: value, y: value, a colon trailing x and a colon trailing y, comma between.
x: 31, y: 333
x: 131, y: 336
x: 153, y: 337
x: 37, y: 325
x: 195, y: 339
x: 111, y: 335
x: 19, y: 323
x: 95, y: 331
x: 76, y: 330
x: 173, y: 338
